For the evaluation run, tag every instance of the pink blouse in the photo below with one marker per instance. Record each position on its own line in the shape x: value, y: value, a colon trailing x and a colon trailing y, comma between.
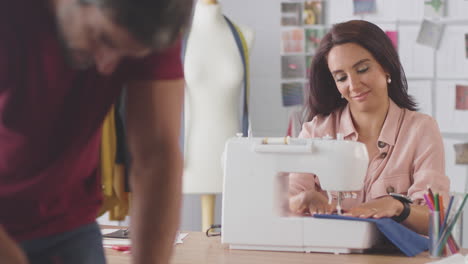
x: 411, y: 156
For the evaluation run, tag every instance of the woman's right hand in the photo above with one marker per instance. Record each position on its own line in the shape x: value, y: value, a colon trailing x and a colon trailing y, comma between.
x: 310, y: 202
x: 9, y: 251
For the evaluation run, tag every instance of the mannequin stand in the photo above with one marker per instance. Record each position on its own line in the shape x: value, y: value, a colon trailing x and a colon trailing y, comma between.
x: 207, y: 210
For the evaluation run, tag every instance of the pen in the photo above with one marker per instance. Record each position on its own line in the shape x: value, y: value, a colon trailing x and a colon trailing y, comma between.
x: 428, y: 202
x: 431, y: 195
x: 443, y: 239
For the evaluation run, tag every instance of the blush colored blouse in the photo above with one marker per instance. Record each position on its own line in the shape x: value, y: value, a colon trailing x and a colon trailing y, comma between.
x: 410, y: 159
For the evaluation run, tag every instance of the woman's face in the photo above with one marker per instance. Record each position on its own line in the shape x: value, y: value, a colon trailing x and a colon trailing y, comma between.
x: 359, y: 77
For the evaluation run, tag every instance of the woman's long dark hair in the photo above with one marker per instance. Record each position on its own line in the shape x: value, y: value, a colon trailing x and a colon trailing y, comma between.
x: 323, y: 96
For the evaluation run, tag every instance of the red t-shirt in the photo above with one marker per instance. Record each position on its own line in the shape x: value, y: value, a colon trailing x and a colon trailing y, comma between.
x: 50, y: 120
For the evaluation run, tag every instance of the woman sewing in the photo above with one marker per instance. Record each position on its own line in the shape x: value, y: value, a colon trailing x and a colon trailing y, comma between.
x: 358, y: 88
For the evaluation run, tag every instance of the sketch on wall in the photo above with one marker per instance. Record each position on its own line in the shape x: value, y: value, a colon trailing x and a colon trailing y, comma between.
x: 461, y: 97
x: 466, y: 45
x: 450, y: 119
x: 434, y: 8
x: 430, y: 33
x: 364, y: 7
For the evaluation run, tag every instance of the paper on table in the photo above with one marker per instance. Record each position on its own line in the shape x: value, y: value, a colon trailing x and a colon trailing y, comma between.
x: 454, y: 259
x: 116, y: 242
x: 180, y: 238
x: 126, y: 242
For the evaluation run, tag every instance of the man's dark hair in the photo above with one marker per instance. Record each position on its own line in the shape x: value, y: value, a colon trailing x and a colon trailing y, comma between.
x: 323, y: 96
x: 154, y: 23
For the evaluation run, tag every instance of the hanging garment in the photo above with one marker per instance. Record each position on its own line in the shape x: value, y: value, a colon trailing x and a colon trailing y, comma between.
x: 115, y: 198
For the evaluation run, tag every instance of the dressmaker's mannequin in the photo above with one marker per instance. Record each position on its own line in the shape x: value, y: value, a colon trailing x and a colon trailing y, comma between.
x: 214, y: 74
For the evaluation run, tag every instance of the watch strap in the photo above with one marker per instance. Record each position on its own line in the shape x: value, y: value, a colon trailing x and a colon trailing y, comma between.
x: 405, y: 213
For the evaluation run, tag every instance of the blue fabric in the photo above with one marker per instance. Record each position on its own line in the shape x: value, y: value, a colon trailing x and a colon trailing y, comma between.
x: 408, y: 241
x: 82, y: 245
x: 245, y: 116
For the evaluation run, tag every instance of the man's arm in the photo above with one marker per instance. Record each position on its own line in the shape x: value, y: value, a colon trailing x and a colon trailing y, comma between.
x: 9, y: 251
x: 153, y: 128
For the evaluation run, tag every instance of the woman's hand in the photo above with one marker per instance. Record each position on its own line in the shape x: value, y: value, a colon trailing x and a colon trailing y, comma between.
x: 382, y: 207
x: 312, y: 202
x: 9, y: 252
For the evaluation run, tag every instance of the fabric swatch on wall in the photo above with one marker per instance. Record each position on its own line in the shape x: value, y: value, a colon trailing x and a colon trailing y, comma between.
x: 292, y: 93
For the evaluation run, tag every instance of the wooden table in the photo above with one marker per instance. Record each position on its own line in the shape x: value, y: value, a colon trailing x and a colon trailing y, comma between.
x: 199, y: 249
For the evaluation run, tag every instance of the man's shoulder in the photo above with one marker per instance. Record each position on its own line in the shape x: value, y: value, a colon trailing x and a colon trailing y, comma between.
x: 162, y: 65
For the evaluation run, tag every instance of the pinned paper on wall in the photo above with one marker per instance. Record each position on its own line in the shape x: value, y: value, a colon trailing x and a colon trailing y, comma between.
x: 291, y: 14
x: 292, y: 66
x: 292, y: 41
x: 461, y: 94
x: 308, y: 64
x: 466, y: 45
x: 364, y: 7
x: 313, y: 12
x: 434, y: 8
x: 292, y: 93
x: 313, y: 36
x: 393, y: 36
x: 430, y: 33
x: 461, y: 153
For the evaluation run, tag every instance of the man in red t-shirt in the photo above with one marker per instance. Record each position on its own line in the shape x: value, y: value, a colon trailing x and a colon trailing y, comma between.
x: 63, y: 64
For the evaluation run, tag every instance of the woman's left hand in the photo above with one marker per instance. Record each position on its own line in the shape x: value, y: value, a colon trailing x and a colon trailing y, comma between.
x: 382, y: 207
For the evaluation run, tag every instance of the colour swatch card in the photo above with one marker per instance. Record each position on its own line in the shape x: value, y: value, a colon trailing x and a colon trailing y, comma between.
x: 364, y: 7
x: 430, y: 33
x: 313, y: 12
x: 292, y: 67
x: 291, y: 14
x: 292, y: 41
x: 303, y: 27
x: 313, y: 36
x: 292, y: 93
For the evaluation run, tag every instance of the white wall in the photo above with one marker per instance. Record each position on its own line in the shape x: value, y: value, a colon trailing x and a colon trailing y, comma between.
x: 431, y: 74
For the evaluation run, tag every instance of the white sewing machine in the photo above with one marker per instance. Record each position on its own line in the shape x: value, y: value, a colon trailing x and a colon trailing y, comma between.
x: 255, y: 197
